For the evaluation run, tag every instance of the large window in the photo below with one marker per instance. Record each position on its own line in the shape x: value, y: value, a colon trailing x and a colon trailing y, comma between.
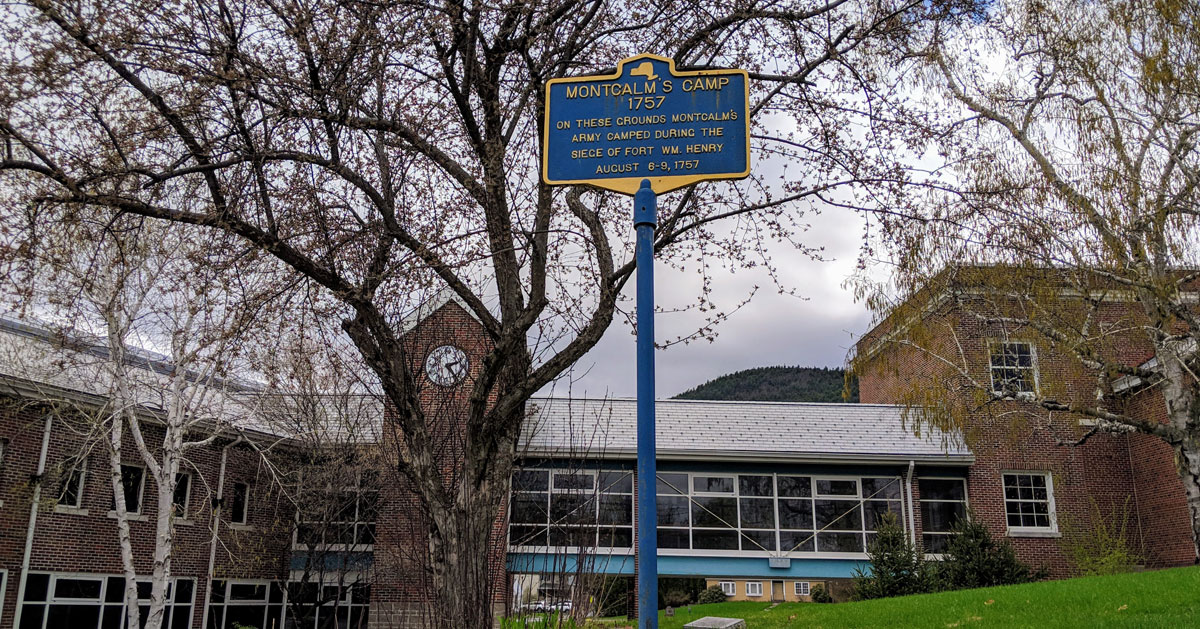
x: 943, y: 503
x: 1029, y: 502
x: 328, y: 606
x: 342, y: 516
x: 1012, y: 368
x: 571, y: 508
x: 234, y: 604
x: 90, y: 601
x: 768, y: 513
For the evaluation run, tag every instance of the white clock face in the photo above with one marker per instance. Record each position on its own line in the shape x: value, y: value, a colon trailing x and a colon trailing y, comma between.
x: 446, y: 365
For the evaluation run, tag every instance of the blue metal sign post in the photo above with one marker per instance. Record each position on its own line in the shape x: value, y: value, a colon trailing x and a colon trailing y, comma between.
x: 646, y: 130
x: 645, y: 218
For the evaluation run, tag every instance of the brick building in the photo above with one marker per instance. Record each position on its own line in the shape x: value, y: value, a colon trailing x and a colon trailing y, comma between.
x: 764, y: 500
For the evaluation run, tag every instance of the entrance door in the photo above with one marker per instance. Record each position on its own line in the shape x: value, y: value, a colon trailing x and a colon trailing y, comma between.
x: 777, y: 590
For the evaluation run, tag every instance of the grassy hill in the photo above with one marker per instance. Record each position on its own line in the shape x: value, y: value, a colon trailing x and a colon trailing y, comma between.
x: 1158, y: 599
x: 775, y: 384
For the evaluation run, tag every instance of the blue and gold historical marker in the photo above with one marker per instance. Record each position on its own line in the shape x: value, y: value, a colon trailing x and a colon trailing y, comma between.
x: 647, y: 121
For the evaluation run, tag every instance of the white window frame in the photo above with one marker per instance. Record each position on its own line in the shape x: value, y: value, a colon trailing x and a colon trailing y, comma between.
x: 1051, y: 510
x: 3, y: 589
x: 732, y: 493
x: 78, y: 506
x: 1033, y: 366
x: 245, y: 507
x: 228, y: 601
x: 729, y: 588
x: 803, y: 588
x: 752, y: 586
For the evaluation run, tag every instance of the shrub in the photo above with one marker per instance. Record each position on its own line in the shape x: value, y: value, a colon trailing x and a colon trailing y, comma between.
x: 897, y: 569
x: 1102, y: 548
x: 973, y: 559
x: 713, y: 594
x: 819, y: 594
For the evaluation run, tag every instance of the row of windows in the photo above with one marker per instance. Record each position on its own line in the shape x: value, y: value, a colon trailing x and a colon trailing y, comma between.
x: 87, y: 601
x: 755, y: 588
x: 133, y: 486
x: 752, y: 512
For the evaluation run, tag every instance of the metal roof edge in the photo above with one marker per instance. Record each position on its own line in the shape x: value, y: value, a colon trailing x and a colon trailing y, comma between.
x: 763, y: 457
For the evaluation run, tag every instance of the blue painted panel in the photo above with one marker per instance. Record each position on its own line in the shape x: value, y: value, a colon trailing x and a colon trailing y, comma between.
x: 692, y: 566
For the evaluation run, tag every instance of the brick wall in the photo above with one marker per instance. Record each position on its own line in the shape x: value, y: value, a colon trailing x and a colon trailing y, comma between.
x: 1109, y: 476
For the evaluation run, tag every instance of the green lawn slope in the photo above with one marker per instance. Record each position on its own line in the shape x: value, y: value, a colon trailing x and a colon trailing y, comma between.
x: 1161, y: 599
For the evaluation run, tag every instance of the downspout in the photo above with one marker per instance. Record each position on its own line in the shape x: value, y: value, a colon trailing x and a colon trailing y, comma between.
x: 216, y: 527
x: 912, y: 520
x: 33, y: 512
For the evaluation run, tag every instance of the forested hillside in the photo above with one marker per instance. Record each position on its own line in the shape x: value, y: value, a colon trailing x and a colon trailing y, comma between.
x: 776, y: 384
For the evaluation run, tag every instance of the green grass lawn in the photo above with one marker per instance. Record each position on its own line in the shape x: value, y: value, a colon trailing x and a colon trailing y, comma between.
x: 1161, y: 599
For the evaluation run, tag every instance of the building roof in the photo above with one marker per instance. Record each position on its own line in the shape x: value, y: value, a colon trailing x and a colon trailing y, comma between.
x: 731, y: 431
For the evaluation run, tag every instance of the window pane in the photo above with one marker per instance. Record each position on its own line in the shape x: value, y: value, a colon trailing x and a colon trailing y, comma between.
x: 131, y: 485
x: 528, y: 508
x: 874, y: 510
x: 942, y: 489
x: 671, y: 484
x: 73, y: 615
x: 840, y: 542
x: 527, y: 536
x: 795, y: 514
x: 114, y: 591
x: 798, y: 541
x: 616, y: 537
x: 935, y: 544
x: 179, y: 498
x: 574, y: 480
x: 578, y: 536
x: 756, y: 486
x: 758, y: 540
x: 247, y: 591
x: 714, y: 511
x: 714, y: 540
x: 36, y: 586
x: 758, y: 513
x: 616, y: 509
x: 672, y: 511
x: 616, y: 482
x: 77, y: 588
x: 237, y: 510
x: 713, y: 484
x: 71, y: 490
x: 572, y: 508
x: 838, y: 515
x: 184, y: 590
x: 881, y: 488
x: 672, y: 538
x: 531, y: 480
x: 827, y: 487
x: 795, y: 486
x: 941, y: 516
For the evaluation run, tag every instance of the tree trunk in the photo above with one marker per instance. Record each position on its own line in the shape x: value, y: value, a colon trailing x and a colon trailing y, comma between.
x: 1187, y: 457
x: 123, y: 537
x: 460, y: 551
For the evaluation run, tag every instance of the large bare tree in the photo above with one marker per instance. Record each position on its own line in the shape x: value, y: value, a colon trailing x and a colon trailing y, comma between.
x: 383, y: 150
x: 1075, y: 220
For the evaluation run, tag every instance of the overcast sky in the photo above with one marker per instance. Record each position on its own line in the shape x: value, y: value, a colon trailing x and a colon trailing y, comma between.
x: 773, y: 329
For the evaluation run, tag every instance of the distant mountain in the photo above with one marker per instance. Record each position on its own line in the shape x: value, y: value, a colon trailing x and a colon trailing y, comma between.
x: 775, y: 384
